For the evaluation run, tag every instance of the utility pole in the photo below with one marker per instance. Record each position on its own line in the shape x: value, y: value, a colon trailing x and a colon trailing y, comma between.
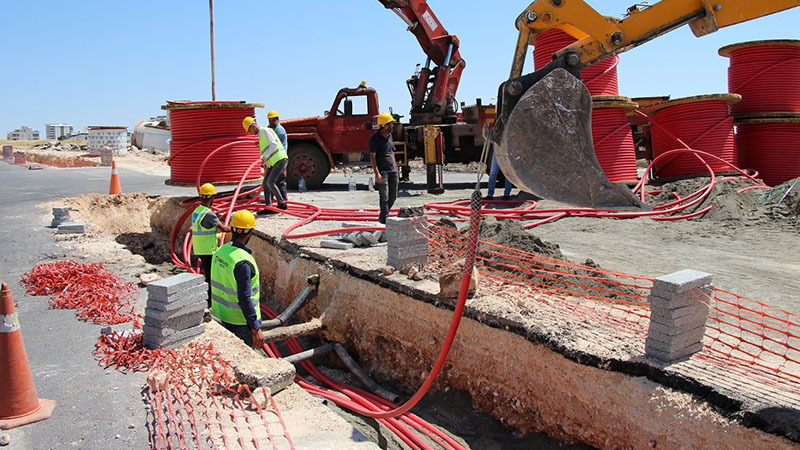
x: 211, y: 16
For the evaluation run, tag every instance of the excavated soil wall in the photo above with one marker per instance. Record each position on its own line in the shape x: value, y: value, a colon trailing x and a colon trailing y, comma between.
x: 397, y: 331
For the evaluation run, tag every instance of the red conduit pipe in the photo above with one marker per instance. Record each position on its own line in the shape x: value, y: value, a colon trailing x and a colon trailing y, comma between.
x: 766, y: 75
x: 600, y: 78
x: 704, y: 125
x: 613, y: 144
x: 771, y: 148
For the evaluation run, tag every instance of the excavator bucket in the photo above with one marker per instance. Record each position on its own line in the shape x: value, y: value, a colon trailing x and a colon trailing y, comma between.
x: 544, y: 146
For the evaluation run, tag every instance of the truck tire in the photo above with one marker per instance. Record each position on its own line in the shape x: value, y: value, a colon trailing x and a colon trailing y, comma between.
x: 309, y: 161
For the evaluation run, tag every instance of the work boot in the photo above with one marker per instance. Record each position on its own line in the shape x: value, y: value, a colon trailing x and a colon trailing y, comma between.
x: 266, y: 212
x: 283, y: 206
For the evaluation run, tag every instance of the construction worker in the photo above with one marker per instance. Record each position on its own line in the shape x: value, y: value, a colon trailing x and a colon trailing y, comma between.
x: 273, y: 157
x: 494, y: 172
x: 275, y: 124
x: 234, y: 283
x: 381, y: 156
x: 205, y: 225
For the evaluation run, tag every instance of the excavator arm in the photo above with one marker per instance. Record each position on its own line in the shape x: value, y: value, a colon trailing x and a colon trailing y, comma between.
x: 542, y: 137
x: 437, y: 101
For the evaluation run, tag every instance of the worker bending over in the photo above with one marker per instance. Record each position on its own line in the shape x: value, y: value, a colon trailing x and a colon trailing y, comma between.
x: 205, y: 225
x: 381, y: 155
x: 275, y: 124
x: 234, y: 283
x: 273, y: 157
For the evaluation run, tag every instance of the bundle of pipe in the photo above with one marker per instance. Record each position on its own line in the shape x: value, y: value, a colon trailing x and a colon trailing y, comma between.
x: 702, y: 123
x: 198, y: 129
x: 766, y: 74
x: 613, y: 138
x: 600, y: 78
x: 770, y: 146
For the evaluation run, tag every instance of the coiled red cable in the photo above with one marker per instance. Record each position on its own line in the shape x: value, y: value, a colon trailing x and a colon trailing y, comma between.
x: 599, y: 78
x: 199, y: 131
x: 767, y: 77
x: 773, y: 149
x: 613, y: 144
x: 703, y: 125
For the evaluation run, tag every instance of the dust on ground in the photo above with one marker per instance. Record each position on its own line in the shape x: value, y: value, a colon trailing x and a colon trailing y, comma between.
x: 73, y: 154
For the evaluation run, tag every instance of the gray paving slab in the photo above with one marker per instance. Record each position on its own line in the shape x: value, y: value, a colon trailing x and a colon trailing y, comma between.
x: 166, y: 287
x: 177, y: 300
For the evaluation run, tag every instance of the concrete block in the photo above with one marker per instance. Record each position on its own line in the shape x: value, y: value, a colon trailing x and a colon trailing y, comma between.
x: 152, y: 341
x: 398, y: 263
x: 198, y: 294
x: 73, y: 228
x: 336, y: 244
x: 369, y: 237
x: 356, y: 225
x: 379, y: 235
x: 699, y: 318
x: 166, y: 287
x: 671, y: 301
x: 157, y: 314
x: 676, y: 313
x: 675, y: 356
x: 407, y: 252
x: 8, y: 153
x: 675, y: 331
x: 681, y: 281
x: 353, y: 239
x: 174, y: 324
x: 671, y: 343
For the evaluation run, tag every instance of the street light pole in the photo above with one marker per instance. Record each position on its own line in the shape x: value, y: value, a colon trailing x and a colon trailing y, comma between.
x: 213, y: 81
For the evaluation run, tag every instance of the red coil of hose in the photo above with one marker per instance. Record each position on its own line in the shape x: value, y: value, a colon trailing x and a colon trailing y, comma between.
x: 196, y: 132
x: 702, y: 125
x: 766, y: 75
x: 772, y: 149
x: 613, y: 144
x: 600, y: 78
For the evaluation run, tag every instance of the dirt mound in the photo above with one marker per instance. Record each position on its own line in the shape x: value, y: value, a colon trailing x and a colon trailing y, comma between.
x: 510, y: 233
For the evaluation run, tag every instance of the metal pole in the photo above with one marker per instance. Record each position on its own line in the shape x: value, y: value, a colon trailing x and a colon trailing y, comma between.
x: 213, y: 77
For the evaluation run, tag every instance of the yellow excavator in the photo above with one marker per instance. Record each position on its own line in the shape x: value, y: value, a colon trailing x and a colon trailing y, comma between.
x: 542, y: 137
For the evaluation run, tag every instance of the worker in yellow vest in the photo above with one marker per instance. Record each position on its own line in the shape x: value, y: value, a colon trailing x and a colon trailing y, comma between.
x: 205, y: 225
x: 234, y: 283
x: 273, y: 157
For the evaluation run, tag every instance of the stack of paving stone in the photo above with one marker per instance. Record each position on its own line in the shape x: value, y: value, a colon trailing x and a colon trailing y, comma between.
x: 8, y: 153
x: 407, y: 241
x: 355, y: 239
x: 678, y: 313
x: 60, y: 215
x: 174, y: 313
x: 106, y: 157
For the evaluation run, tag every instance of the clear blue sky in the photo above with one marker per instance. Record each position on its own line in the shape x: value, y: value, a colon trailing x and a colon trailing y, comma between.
x: 115, y: 63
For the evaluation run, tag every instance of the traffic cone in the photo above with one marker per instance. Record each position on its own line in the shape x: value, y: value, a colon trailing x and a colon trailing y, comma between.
x: 115, y: 188
x: 19, y: 404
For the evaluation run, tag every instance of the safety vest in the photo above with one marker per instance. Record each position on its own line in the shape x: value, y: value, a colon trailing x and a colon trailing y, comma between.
x: 224, y: 301
x: 204, y: 240
x: 278, y: 153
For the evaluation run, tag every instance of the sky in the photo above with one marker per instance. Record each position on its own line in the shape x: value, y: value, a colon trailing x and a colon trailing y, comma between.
x: 115, y: 63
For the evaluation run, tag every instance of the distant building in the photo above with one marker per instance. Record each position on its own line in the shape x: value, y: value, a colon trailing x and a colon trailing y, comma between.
x: 115, y: 138
x: 82, y: 135
x: 57, y: 131
x: 23, y: 133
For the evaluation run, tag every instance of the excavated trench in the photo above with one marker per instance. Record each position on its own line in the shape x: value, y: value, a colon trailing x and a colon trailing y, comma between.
x: 499, y: 371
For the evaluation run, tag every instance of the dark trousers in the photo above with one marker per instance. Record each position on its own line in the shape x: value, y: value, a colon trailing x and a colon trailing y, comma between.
x: 205, y: 264
x: 274, y: 183
x: 241, y: 331
x: 387, y: 194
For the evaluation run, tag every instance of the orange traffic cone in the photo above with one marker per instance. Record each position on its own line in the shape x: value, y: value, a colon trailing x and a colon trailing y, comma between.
x: 115, y: 188
x: 19, y: 404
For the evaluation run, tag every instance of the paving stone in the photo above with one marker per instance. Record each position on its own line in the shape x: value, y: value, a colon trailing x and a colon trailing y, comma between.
x: 398, y: 263
x: 369, y: 237
x: 407, y: 252
x: 336, y: 244
x: 674, y: 301
x: 176, y: 323
x: 671, y: 343
x: 158, y: 314
x: 380, y: 235
x: 356, y: 225
x: 152, y: 341
x: 166, y: 287
x: 353, y: 239
x: 73, y: 228
x: 160, y: 296
x: 200, y: 297
x: 699, y: 317
x: 681, y: 281
x: 658, y: 314
x: 675, y: 331
x: 671, y: 357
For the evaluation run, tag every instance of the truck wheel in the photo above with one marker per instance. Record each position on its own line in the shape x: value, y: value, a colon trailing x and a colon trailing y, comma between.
x: 310, y: 162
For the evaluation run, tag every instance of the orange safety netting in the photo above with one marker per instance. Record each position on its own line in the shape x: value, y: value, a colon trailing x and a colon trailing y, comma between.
x: 743, y: 335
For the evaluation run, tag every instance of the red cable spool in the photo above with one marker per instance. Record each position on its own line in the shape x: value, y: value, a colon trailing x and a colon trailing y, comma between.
x: 199, y: 128
x: 600, y: 78
x: 766, y: 74
x: 703, y: 123
x: 770, y: 146
x: 613, y: 138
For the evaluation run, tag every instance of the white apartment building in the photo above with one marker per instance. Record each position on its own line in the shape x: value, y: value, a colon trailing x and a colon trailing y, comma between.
x: 115, y: 138
x: 57, y: 131
x: 23, y: 133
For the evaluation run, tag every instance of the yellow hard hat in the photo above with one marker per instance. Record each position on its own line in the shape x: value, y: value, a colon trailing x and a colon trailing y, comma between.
x: 243, y: 220
x: 272, y: 114
x: 247, y: 122
x: 208, y: 189
x: 384, y: 118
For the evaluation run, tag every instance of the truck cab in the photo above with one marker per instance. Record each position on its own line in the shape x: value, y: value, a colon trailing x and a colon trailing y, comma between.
x: 339, y: 138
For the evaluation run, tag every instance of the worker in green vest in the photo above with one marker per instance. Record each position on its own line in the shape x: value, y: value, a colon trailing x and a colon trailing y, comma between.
x: 273, y: 157
x: 205, y: 225
x: 234, y: 283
